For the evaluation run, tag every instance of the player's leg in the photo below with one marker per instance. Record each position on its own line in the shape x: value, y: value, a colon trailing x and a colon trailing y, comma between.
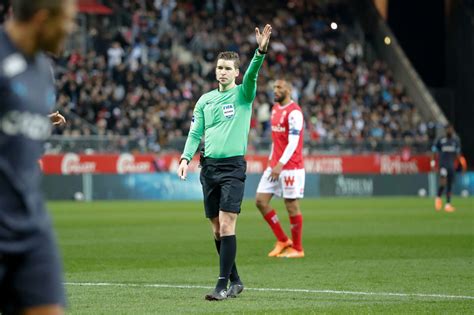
x: 44, y: 310
x: 443, y: 173
x: 269, y: 214
x: 296, y: 221
x: 449, y: 184
x: 34, y: 280
x: 293, y: 182
x: 265, y: 191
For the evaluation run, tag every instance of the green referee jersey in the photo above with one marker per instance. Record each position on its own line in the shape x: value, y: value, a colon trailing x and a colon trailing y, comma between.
x: 224, y: 118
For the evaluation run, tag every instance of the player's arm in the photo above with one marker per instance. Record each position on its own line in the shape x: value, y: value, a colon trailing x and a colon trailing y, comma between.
x: 462, y: 164
x: 295, y: 125
x: 434, y: 151
x: 249, y: 83
x: 194, y: 139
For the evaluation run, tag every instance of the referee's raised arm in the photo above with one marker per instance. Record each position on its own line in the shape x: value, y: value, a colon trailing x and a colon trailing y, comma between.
x: 249, y: 82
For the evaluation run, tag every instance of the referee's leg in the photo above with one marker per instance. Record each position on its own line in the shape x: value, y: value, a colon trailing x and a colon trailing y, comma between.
x: 234, y: 274
x: 228, y: 247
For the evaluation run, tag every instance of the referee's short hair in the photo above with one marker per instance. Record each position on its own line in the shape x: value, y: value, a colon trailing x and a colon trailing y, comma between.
x: 24, y: 10
x: 230, y: 55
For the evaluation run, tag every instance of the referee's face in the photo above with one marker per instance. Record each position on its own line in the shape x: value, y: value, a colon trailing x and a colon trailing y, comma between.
x: 226, y: 72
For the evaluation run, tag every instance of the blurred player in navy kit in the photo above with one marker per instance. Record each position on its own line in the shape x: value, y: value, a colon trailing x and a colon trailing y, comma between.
x: 448, y: 149
x: 30, y: 269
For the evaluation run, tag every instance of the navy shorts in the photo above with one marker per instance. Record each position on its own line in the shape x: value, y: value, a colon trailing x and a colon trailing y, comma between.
x: 223, y: 183
x: 447, y: 172
x: 31, y: 277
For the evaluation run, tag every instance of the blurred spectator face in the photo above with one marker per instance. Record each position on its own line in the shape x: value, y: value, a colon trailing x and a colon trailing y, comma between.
x: 226, y: 72
x: 449, y: 131
x: 54, y: 27
x: 281, y: 90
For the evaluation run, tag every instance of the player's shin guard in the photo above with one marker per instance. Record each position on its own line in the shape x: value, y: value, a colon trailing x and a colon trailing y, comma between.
x: 234, y: 275
x: 272, y: 220
x: 297, y: 231
x: 227, y: 259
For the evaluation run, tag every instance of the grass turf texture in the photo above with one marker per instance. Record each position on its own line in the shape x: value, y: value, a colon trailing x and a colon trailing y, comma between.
x: 379, y: 245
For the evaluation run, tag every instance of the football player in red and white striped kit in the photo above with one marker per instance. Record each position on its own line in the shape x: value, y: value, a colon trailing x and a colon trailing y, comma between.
x: 285, y: 175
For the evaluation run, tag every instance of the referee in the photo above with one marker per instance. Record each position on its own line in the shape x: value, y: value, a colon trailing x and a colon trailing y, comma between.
x: 223, y: 116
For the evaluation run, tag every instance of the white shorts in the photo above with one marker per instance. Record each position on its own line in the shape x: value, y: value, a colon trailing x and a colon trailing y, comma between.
x: 290, y: 185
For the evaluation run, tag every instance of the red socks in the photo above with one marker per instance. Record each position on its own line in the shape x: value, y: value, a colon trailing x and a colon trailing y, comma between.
x: 297, y: 231
x: 272, y: 220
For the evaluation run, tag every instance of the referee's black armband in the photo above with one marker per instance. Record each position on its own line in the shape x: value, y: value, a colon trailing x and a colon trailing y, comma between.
x: 187, y: 161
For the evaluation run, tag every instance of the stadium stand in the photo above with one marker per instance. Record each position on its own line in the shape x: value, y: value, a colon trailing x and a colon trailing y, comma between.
x: 137, y: 74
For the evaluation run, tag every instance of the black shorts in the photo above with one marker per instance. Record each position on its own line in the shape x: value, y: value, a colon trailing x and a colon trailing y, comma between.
x: 223, y: 183
x: 32, y: 277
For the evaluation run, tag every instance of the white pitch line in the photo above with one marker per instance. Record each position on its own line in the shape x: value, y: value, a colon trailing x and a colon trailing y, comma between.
x: 173, y: 286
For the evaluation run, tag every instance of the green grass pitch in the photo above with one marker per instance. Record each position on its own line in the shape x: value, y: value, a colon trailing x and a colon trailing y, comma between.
x: 363, y: 255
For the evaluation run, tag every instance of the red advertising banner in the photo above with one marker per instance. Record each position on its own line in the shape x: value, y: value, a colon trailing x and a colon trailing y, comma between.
x: 71, y: 163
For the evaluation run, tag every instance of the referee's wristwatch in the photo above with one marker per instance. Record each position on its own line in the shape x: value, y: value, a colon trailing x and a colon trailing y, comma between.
x: 181, y: 160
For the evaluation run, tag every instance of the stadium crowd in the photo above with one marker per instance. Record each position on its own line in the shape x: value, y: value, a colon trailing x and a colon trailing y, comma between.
x: 141, y: 79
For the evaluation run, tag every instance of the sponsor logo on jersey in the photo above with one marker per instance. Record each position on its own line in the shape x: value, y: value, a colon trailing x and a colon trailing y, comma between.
x: 30, y: 125
x: 289, y: 180
x: 448, y: 148
x: 278, y: 128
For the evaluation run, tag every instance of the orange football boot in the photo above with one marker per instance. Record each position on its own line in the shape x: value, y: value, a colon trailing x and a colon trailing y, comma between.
x: 280, y: 247
x: 449, y: 208
x: 290, y: 252
x: 438, y: 203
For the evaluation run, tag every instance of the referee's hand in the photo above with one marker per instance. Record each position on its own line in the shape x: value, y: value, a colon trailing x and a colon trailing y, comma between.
x: 183, y: 169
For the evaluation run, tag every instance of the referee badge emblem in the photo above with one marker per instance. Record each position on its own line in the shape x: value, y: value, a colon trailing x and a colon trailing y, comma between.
x: 228, y: 110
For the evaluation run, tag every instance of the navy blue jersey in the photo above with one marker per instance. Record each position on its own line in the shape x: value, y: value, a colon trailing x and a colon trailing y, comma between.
x: 448, y: 149
x: 26, y: 98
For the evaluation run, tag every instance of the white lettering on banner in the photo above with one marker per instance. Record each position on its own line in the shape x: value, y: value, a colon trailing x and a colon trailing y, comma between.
x: 254, y: 166
x: 324, y: 165
x: 126, y: 164
x: 354, y: 186
x: 395, y: 165
x: 71, y: 164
